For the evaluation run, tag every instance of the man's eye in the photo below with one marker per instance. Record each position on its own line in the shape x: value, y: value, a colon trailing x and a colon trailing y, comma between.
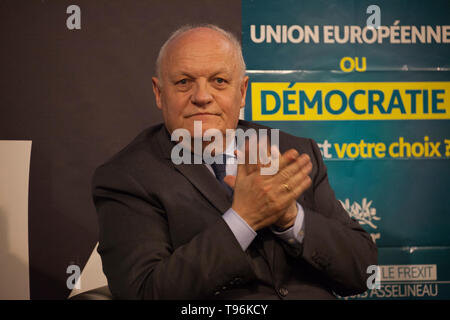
x: 220, y: 80
x: 182, y: 81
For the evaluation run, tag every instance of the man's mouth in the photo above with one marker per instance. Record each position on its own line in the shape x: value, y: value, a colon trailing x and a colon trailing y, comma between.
x: 202, y: 114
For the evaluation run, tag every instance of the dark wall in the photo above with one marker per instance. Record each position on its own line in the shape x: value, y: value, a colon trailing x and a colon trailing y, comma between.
x: 80, y: 96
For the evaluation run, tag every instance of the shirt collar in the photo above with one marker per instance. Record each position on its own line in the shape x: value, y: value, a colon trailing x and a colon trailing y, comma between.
x: 231, y: 147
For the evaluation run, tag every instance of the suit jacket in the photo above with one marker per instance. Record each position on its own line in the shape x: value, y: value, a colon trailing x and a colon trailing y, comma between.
x: 161, y: 234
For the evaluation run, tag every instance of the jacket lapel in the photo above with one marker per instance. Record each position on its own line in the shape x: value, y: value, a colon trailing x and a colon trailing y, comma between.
x: 207, y: 184
x: 198, y: 174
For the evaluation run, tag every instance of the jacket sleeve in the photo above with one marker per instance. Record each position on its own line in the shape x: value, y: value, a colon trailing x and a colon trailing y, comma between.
x: 137, y: 255
x: 334, y: 244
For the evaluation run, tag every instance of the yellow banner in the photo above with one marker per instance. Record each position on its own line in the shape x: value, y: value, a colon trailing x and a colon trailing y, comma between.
x: 310, y: 101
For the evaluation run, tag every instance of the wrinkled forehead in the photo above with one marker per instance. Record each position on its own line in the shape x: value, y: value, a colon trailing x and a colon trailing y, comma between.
x: 199, y: 47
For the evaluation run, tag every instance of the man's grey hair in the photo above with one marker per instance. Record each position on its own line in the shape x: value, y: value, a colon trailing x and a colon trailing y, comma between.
x: 228, y: 35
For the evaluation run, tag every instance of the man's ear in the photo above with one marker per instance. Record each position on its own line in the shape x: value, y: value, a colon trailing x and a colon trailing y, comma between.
x: 244, y: 85
x: 157, y: 91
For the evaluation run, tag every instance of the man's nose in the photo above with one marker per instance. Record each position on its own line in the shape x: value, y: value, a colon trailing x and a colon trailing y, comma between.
x: 201, y: 95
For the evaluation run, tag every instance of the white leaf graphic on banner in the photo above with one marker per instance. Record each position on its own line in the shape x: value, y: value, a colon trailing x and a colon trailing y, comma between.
x: 361, y: 212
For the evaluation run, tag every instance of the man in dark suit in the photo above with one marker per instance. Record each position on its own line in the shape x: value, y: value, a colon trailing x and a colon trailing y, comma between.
x: 172, y: 231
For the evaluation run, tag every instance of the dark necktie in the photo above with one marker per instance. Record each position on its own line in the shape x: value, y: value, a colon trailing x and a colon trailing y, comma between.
x: 220, y: 172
